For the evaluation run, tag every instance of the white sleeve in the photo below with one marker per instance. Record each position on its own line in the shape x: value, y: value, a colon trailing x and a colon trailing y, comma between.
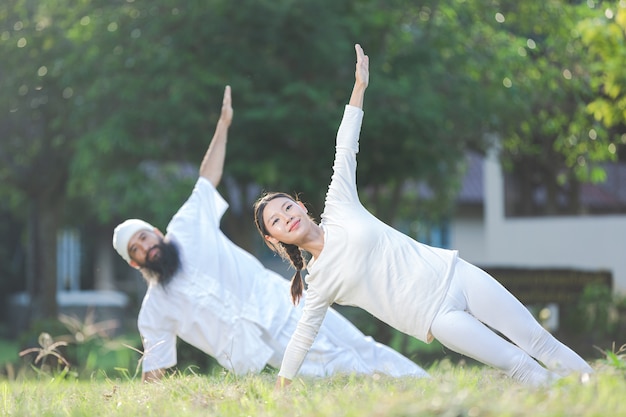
x: 206, y: 205
x: 312, y: 317
x: 350, y: 128
x: 343, y: 182
x: 159, y: 343
x: 196, y: 226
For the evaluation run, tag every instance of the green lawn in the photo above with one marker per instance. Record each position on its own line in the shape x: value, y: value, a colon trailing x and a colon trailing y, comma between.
x: 452, y: 391
x: 107, y: 383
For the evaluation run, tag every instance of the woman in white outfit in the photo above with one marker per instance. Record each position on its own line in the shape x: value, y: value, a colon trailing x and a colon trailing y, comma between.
x: 424, y: 291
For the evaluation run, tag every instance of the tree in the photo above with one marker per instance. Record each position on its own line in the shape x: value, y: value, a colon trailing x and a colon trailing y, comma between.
x: 604, y: 35
x: 38, y: 130
x: 554, y: 145
x: 113, y: 103
x: 425, y: 106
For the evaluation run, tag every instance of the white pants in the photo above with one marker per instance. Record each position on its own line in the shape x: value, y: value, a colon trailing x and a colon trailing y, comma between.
x: 476, y: 300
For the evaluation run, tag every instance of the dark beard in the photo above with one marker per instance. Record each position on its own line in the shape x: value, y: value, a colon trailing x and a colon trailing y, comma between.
x: 165, y: 267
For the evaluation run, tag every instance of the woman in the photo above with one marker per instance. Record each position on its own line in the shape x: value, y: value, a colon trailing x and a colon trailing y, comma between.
x: 423, y: 291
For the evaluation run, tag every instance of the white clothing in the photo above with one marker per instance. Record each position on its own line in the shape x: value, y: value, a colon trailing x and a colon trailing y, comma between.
x: 226, y: 303
x: 420, y: 290
x: 475, y: 300
x: 367, y: 263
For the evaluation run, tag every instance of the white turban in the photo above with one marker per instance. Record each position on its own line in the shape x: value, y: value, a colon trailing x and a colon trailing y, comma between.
x: 124, y: 231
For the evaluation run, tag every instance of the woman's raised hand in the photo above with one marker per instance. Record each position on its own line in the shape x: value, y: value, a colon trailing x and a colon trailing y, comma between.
x: 362, y: 72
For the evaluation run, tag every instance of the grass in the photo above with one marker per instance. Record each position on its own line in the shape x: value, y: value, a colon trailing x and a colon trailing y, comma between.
x: 452, y: 391
x: 104, y: 380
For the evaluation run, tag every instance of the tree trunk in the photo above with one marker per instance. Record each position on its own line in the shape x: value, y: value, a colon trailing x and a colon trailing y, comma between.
x: 42, y: 268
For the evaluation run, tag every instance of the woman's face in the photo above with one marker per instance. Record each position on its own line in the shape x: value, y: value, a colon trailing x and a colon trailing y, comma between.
x: 285, y: 220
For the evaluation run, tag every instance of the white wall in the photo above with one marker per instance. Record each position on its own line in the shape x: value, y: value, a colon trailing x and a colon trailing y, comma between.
x: 579, y: 242
x: 468, y: 236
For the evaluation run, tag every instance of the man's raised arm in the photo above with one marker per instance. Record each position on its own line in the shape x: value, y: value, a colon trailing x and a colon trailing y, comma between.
x: 213, y: 163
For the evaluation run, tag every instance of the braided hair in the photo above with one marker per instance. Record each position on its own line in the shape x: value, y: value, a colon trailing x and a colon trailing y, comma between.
x: 288, y: 252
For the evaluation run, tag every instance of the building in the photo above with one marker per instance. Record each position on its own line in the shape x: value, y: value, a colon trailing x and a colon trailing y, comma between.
x: 485, y: 236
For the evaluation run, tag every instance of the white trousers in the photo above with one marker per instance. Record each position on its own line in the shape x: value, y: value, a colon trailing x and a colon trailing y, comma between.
x: 476, y: 300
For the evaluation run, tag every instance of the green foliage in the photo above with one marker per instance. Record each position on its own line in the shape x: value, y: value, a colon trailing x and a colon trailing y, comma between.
x: 553, y: 144
x: 143, y: 83
x: 144, y: 80
x: 597, y: 311
x: 9, y: 352
x: 615, y: 358
x: 84, y: 348
x: 29, y: 337
x: 604, y: 38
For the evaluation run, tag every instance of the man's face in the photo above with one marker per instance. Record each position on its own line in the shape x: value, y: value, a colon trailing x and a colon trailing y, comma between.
x: 144, y: 246
x: 156, y: 257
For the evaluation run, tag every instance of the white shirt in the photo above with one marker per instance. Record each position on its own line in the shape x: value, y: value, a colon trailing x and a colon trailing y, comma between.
x: 221, y: 301
x: 367, y: 263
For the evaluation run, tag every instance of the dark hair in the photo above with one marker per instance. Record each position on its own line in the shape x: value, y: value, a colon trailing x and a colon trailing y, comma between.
x: 289, y: 252
x: 166, y: 266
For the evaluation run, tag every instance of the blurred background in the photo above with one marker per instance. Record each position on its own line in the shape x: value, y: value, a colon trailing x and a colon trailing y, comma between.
x: 497, y: 128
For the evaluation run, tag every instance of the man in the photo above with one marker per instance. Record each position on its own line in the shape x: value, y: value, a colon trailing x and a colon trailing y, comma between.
x: 219, y: 298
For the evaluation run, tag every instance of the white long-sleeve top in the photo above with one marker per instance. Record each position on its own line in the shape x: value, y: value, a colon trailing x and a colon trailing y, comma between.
x: 366, y: 263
